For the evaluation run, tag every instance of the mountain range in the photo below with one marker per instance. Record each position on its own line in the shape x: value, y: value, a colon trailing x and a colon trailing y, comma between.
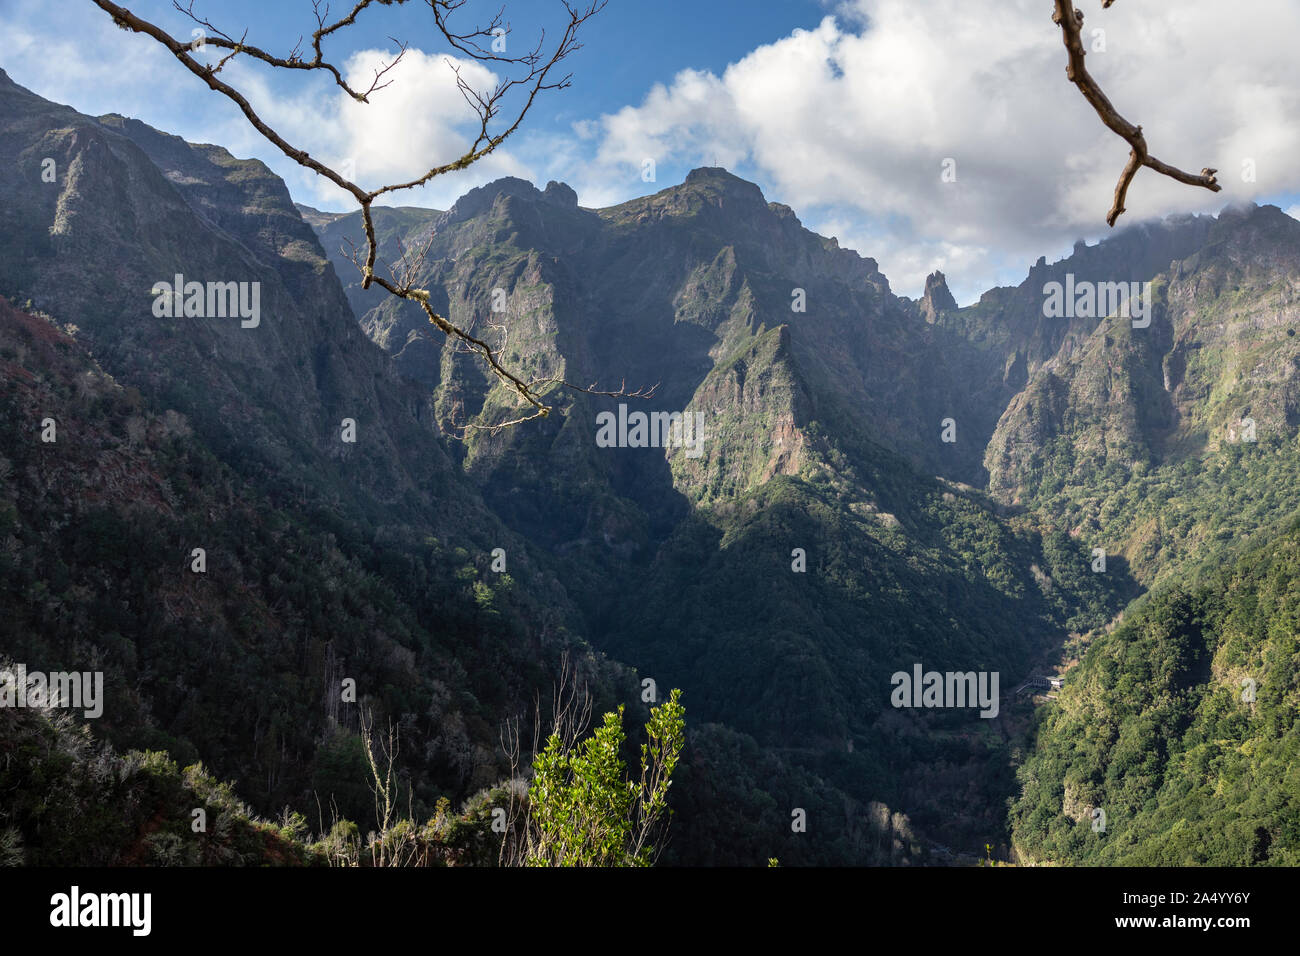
x: 883, y: 483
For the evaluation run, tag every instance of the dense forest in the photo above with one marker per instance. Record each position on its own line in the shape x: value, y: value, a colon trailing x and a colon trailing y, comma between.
x: 1181, y: 726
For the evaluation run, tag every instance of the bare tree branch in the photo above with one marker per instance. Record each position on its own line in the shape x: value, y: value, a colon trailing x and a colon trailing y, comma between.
x: 539, y: 75
x: 294, y: 61
x: 571, y: 709
x: 128, y: 20
x: 1070, y: 21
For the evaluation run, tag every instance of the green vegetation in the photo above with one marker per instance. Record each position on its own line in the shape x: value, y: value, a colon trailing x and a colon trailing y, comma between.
x: 581, y: 809
x: 1171, y: 519
x: 1181, y: 725
x: 73, y: 801
x: 241, y: 666
x: 70, y: 800
x: 779, y: 578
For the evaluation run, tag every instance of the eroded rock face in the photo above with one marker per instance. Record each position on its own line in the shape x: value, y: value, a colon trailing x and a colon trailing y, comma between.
x: 937, y: 298
x: 1220, y: 348
x: 675, y: 289
x: 561, y: 194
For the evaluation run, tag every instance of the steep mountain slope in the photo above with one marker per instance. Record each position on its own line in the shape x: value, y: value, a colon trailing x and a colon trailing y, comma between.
x: 1097, y: 432
x: 1012, y: 322
x: 666, y: 290
x: 326, y: 560
x: 242, y: 664
x: 1158, y: 443
x: 786, y: 571
x: 1180, y: 726
x: 131, y: 207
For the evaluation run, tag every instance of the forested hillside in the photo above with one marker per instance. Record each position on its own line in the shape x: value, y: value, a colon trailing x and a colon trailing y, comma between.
x: 1181, y: 726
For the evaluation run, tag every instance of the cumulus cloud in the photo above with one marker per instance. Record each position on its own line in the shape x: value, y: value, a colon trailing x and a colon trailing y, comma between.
x: 850, y: 123
x: 420, y: 120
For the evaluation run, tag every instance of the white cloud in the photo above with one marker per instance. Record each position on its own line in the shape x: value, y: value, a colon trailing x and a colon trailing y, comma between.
x: 848, y: 123
x: 419, y: 121
x: 69, y: 54
x: 852, y: 120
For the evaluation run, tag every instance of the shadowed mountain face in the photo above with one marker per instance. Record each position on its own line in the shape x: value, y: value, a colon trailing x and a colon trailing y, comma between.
x: 130, y: 207
x: 325, y: 559
x: 878, y: 483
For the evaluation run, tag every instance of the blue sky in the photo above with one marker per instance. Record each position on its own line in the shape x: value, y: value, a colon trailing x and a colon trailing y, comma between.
x: 846, y: 110
x: 627, y: 48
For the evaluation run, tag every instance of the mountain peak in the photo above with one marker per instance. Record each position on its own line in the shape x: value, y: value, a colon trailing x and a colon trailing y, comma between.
x: 716, y: 189
x: 711, y: 172
x: 717, y: 176
x: 481, y: 198
x: 7, y: 82
x: 317, y: 218
x: 1235, y: 208
x: 937, y: 297
x: 561, y: 194
x: 510, y: 185
x: 9, y: 85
